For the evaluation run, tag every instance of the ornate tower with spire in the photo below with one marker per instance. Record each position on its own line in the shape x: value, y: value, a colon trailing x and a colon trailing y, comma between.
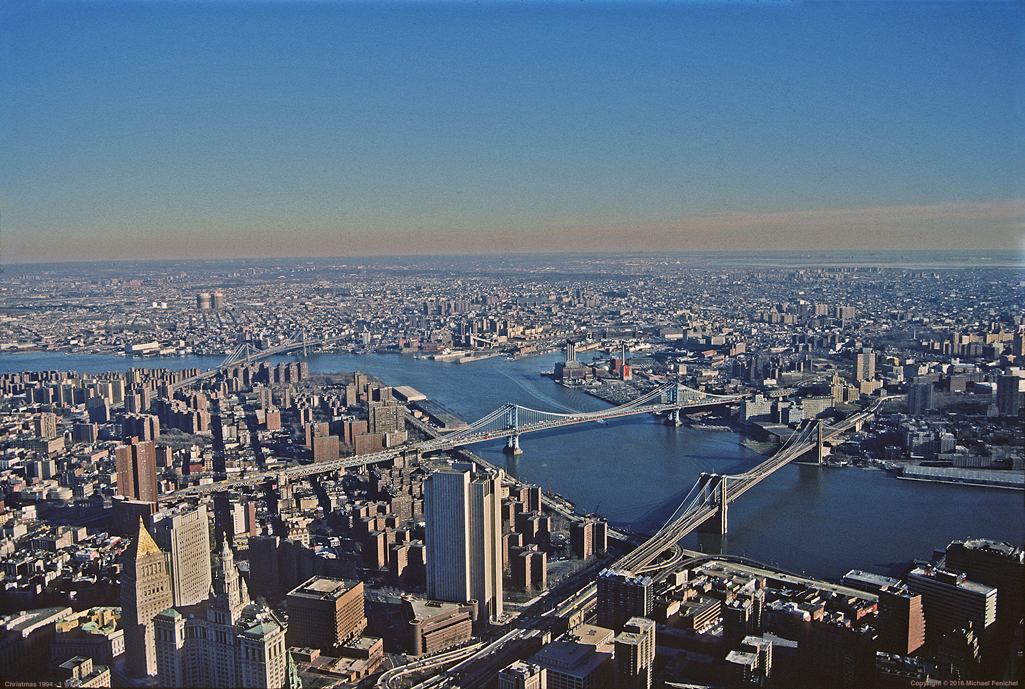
x: 230, y: 592
x: 145, y: 592
x: 223, y: 642
x: 229, y: 599
x: 292, y: 679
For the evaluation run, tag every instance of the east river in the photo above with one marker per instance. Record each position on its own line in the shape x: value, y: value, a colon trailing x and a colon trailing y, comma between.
x: 635, y: 471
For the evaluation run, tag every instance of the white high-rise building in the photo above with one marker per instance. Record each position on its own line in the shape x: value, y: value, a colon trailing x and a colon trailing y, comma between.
x: 463, y: 513
x: 184, y: 536
x: 950, y: 601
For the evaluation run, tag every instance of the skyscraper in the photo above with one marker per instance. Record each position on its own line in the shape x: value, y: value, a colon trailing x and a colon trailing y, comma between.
x: 145, y: 591
x: 865, y: 364
x: 622, y: 595
x: 635, y: 654
x: 463, y: 513
x: 184, y: 535
x: 950, y: 601
x: 137, y: 470
x: 995, y: 564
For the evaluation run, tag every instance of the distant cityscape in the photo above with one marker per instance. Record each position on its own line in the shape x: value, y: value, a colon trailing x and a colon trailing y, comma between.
x: 241, y: 521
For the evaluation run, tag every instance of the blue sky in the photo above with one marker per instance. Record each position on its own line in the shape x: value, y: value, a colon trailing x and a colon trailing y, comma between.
x: 208, y: 129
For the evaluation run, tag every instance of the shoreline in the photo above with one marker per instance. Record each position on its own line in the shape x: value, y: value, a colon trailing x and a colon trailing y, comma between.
x: 747, y: 440
x: 959, y: 483
x: 768, y: 449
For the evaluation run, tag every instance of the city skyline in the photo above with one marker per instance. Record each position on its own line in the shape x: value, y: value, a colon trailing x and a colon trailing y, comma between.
x: 216, y: 130
x: 877, y: 408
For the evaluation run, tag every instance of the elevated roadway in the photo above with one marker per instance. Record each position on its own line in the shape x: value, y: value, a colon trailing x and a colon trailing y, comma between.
x: 503, y: 422
x: 245, y: 354
x: 480, y: 668
x: 711, y: 494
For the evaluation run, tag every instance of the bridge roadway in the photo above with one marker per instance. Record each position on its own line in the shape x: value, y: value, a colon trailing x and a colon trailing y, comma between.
x: 231, y: 362
x: 477, y: 436
x: 481, y: 668
x: 482, y: 430
x: 707, y: 506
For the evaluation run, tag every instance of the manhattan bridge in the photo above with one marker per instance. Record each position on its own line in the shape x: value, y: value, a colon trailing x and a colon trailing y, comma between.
x: 705, y: 506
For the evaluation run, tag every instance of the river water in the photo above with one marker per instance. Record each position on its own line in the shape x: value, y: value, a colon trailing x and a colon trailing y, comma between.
x: 635, y: 471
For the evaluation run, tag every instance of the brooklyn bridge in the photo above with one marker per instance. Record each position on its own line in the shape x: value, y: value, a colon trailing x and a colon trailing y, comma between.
x: 706, y: 505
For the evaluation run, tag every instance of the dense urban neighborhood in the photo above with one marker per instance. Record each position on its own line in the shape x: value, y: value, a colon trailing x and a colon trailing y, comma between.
x: 241, y: 520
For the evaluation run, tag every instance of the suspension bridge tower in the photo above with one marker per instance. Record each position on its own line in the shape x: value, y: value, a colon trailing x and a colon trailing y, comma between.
x: 713, y: 490
x: 673, y: 397
x: 820, y: 450
x: 512, y: 446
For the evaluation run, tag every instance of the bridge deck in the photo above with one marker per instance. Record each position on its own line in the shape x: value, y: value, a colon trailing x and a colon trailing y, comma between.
x: 705, y: 505
x: 494, y: 425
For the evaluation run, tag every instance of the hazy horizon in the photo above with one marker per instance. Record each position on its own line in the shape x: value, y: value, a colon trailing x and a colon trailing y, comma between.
x: 559, y: 262
x: 138, y: 130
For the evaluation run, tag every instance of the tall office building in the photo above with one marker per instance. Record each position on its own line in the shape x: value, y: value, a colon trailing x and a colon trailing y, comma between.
x: 865, y: 364
x: 463, y: 514
x: 622, y: 595
x: 921, y: 398
x: 900, y: 621
x: 137, y: 470
x: 635, y: 654
x: 184, y: 535
x: 324, y: 613
x: 145, y: 591
x: 995, y: 564
x: 950, y: 602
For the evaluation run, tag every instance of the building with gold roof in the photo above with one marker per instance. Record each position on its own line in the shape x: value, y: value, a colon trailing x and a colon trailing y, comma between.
x: 145, y: 591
